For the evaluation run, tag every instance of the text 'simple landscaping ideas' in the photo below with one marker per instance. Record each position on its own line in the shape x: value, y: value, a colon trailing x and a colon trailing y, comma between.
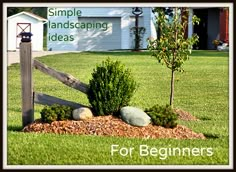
x: 71, y: 24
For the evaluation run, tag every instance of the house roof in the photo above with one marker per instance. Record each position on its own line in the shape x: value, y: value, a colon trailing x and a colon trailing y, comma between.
x: 39, y: 18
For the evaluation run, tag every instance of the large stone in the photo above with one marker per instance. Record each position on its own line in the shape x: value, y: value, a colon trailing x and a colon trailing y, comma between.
x: 134, y: 116
x: 82, y: 113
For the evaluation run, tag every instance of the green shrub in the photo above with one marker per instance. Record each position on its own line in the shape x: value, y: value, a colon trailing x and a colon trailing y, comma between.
x: 56, y: 113
x: 163, y: 116
x: 110, y: 88
x: 48, y: 115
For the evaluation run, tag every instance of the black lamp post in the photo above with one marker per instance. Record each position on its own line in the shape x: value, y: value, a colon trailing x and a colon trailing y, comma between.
x: 137, y: 11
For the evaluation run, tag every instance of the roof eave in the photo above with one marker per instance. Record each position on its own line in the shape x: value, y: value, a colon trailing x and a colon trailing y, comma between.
x: 28, y: 14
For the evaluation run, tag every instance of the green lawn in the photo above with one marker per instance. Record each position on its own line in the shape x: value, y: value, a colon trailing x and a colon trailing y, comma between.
x: 202, y: 90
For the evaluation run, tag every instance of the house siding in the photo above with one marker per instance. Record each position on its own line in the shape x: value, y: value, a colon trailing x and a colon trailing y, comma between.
x: 126, y: 22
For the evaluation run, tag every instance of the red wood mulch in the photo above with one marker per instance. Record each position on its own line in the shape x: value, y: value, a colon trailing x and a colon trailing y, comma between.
x: 112, y: 126
x: 186, y: 116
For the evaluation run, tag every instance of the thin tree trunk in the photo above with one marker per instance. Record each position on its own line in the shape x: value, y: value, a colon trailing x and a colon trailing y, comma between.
x: 172, y: 88
x: 173, y: 60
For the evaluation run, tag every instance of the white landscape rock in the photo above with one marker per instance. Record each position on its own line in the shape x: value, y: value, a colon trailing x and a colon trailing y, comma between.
x: 82, y: 113
x: 134, y: 116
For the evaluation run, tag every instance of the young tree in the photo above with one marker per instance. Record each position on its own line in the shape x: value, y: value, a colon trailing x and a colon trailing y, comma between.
x: 171, y: 47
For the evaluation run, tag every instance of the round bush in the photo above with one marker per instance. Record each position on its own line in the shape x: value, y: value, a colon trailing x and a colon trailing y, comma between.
x: 56, y: 113
x: 110, y: 88
x: 163, y: 116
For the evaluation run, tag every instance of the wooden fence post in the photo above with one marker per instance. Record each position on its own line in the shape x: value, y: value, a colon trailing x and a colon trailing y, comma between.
x: 26, y: 83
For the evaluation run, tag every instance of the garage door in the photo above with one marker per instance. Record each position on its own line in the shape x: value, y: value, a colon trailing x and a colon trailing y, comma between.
x: 99, y: 33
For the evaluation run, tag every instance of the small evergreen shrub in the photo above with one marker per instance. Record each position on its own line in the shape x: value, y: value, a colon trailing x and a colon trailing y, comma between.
x: 56, y: 113
x: 163, y: 116
x: 110, y: 88
x: 48, y: 115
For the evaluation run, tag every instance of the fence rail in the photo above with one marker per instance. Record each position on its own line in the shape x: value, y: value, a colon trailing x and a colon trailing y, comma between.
x: 29, y: 97
x: 65, y: 78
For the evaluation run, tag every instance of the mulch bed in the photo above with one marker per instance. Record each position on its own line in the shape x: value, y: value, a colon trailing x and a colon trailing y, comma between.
x: 112, y: 126
x: 186, y: 116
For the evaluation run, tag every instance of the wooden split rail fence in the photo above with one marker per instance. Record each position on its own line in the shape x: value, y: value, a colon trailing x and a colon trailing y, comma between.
x: 29, y: 97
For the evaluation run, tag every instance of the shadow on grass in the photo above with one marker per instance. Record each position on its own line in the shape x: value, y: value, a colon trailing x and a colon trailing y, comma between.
x: 209, y: 53
x: 195, y: 53
x: 204, y: 118
x: 16, y: 109
x: 120, y: 53
x: 211, y: 136
x: 14, y: 128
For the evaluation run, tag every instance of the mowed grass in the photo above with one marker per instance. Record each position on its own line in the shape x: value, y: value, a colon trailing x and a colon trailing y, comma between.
x: 202, y: 90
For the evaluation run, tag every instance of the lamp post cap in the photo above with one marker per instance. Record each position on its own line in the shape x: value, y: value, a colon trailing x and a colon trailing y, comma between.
x: 137, y: 10
x: 26, y: 36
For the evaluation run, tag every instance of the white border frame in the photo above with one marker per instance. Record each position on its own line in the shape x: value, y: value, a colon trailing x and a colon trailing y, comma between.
x: 5, y: 166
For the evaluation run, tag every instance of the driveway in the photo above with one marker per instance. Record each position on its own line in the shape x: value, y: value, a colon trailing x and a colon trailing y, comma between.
x: 14, y: 57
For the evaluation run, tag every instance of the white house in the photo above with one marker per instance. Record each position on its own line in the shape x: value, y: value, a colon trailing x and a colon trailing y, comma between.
x: 25, y: 22
x: 95, y: 29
